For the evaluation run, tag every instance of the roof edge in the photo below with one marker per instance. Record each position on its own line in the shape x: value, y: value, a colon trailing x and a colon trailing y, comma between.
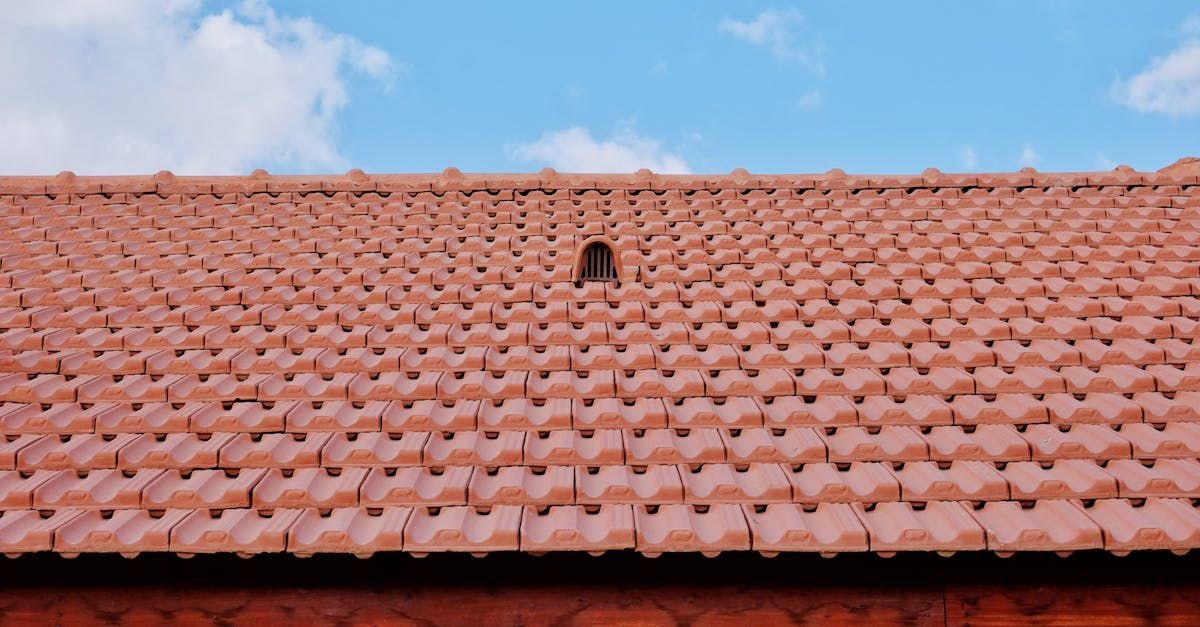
x: 1185, y: 171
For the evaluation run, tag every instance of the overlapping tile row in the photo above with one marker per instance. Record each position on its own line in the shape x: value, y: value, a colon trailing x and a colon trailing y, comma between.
x: 827, y: 363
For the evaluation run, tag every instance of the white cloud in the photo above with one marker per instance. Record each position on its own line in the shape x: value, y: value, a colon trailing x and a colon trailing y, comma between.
x: 1191, y: 26
x: 776, y: 31
x: 970, y: 160
x: 575, y: 150
x: 1029, y: 157
x: 1103, y: 162
x: 126, y: 86
x: 1169, y: 84
x: 810, y: 99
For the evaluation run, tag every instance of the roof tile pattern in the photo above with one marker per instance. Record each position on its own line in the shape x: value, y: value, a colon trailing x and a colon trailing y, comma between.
x: 826, y: 363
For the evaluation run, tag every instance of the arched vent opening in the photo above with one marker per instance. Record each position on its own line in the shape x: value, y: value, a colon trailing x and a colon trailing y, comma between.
x: 597, y: 263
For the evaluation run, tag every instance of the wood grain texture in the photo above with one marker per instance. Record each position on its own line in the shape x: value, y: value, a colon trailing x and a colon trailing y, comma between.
x: 471, y: 606
x: 1073, y: 605
x: 598, y: 605
x: 617, y: 589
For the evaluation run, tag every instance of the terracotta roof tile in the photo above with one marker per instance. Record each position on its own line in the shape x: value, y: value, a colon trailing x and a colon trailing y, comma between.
x: 577, y: 528
x: 831, y: 363
x: 463, y: 529
x: 710, y: 529
x: 1156, y: 523
x: 1049, y: 525
x: 242, y: 531
x: 127, y: 531
x: 936, y: 526
x: 360, y: 531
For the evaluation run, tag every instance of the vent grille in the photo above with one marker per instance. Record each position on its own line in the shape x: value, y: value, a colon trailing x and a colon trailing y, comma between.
x: 598, y: 263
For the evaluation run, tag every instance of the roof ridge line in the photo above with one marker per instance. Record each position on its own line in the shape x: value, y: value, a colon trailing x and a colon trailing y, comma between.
x: 1184, y: 171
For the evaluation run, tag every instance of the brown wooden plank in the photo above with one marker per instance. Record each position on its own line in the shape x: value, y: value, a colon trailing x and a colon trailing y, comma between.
x: 1074, y: 605
x: 474, y: 606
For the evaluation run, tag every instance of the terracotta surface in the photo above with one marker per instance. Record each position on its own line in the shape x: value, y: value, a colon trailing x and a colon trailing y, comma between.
x: 835, y: 363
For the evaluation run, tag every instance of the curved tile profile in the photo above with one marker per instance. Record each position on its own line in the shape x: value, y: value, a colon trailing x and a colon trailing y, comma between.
x: 829, y: 363
x: 826, y: 528
x: 243, y: 531
x: 1048, y: 525
x: 26, y: 531
x: 936, y: 526
x: 577, y: 528
x: 127, y: 531
x: 463, y: 529
x: 709, y: 529
x: 356, y: 530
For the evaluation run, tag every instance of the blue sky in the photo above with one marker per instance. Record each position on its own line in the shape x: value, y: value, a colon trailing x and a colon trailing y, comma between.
x: 676, y: 86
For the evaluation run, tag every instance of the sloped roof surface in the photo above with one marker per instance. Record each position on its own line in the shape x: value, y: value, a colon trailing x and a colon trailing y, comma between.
x: 823, y: 363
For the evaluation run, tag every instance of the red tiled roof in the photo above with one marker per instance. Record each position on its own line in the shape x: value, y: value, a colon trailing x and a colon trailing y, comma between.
x: 829, y: 363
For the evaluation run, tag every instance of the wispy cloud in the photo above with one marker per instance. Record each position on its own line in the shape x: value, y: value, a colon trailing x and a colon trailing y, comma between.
x: 1103, y: 162
x: 144, y: 85
x: 1191, y: 26
x: 783, y: 33
x: 658, y: 69
x: 575, y: 150
x: 1169, y: 84
x: 1029, y: 157
x: 970, y: 160
x: 810, y: 100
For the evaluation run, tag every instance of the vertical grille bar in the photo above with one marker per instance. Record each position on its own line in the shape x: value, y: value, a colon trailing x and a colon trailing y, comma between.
x: 598, y: 263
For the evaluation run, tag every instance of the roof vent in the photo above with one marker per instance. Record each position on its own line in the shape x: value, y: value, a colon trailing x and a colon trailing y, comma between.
x: 597, y: 263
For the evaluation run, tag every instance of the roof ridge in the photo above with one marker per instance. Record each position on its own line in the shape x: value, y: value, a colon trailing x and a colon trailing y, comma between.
x: 1183, y: 165
x: 1185, y: 170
